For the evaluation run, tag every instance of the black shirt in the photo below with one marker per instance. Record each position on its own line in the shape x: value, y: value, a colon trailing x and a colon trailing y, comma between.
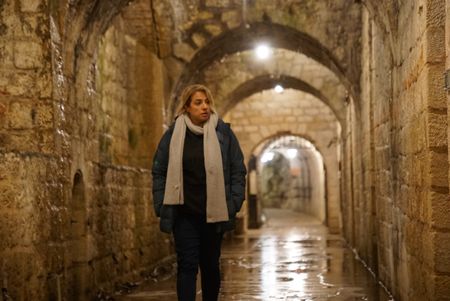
x: 194, y: 175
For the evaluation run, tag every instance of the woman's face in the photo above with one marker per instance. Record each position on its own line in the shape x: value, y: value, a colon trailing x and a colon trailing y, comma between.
x: 199, y: 109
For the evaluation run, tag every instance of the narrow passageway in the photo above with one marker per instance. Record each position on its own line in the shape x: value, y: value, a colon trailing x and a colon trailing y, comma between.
x: 341, y: 109
x: 292, y: 257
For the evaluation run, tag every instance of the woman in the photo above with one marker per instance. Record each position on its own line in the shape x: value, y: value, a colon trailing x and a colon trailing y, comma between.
x: 198, y: 187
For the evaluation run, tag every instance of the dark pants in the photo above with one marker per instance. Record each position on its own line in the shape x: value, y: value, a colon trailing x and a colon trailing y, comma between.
x: 197, y: 244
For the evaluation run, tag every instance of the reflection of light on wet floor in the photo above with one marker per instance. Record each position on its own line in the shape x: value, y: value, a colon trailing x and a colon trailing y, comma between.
x: 285, y: 273
x: 294, y: 268
x: 268, y: 274
x: 292, y: 258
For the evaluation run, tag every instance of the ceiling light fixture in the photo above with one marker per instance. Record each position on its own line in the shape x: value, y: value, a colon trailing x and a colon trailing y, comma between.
x: 266, y: 157
x: 263, y: 51
x: 292, y: 153
x: 279, y: 89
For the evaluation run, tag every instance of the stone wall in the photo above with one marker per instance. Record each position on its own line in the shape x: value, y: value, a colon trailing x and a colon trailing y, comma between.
x: 26, y: 109
x: 131, y: 98
x: 267, y: 114
x: 396, y: 208
x: 79, y: 124
x: 127, y: 124
x: 29, y: 170
x: 84, y: 95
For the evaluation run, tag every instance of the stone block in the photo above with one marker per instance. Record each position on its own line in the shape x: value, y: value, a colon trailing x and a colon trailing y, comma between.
x: 437, y: 130
x: 16, y: 230
x: 232, y: 18
x: 439, y: 169
x: 251, y: 128
x: 17, y: 83
x: 434, y: 87
x: 291, y: 119
x: 43, y: 86
x: 32, y: 27
x: 416, y: 136
x: 441, y: 288
x: 19, y: 141
x: 6, y: 54
x: 204, y: 15
x: 24, y: 273
x: 3, y: 111
x: 9, y: 19
x: 31, y: 6
x: 9, y: 188
x: 43, y: 115
x: 435, y: 13
x: 217, y: 3
x: 440, y: 210
x: 20, y: 115
x: 199, y: 40
x: 435, y: 44
x: 213, y: 29
x: 410, y: 238
x: 419, y: 284
x: 441, y: 252
x: 28, y: 55
x: 426, y: 246
x: 183, y: 51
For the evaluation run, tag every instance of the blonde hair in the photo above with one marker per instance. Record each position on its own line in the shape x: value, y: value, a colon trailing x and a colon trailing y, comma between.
x: 185, y: 98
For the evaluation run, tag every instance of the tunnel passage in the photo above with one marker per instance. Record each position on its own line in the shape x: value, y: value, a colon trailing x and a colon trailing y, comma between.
x: 290, y: 175
x: 86, y: 84
x: 302, y: 60
x: 267, y: 115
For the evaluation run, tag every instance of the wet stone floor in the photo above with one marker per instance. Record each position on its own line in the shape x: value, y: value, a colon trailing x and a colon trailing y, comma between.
x: 292, y: 257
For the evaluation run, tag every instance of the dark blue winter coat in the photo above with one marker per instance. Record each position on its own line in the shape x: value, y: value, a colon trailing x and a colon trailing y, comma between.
x: 233, y: 170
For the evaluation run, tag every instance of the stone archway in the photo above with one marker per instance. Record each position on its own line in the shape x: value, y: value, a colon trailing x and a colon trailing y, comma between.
x: 290, y: 175
x: 267, y: 82
x: 246, y: 37
x: 283, y: 67
x: 266, y: 114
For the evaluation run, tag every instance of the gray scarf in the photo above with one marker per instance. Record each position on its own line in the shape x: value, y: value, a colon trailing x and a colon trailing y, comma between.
x: 216, y: 205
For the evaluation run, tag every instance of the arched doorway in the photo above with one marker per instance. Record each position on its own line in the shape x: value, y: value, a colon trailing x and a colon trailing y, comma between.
x: 290, y: 174
x: 78, y: 269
